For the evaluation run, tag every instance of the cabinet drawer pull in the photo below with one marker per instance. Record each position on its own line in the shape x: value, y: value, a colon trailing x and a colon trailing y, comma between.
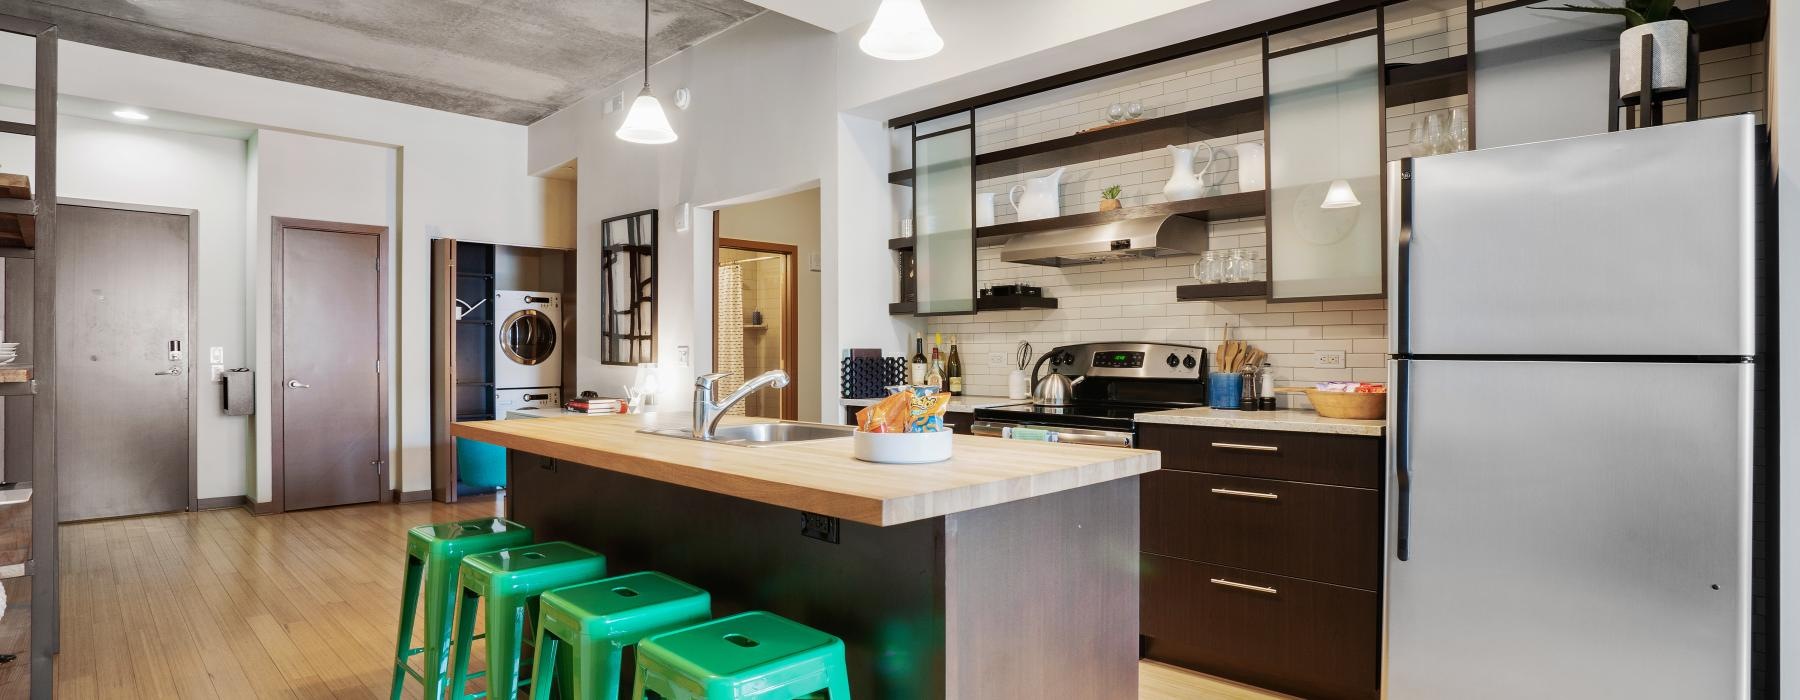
x: 1246, y: 494
x: 1249, y: 448
x: 1245, y: 586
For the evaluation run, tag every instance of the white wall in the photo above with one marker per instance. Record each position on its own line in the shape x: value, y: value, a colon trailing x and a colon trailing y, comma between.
x: 141, y: 165
x: 459, y: 177
x: 307, y: 177
x: 760, y: 124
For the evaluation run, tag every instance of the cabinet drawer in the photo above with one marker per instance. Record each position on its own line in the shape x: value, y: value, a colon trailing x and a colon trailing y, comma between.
x: 1310, y: 639
x: 1344, y: 460
x: 1323, y: 533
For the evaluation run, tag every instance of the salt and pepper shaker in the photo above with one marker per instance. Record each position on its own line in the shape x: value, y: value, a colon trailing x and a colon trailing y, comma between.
x: 1265, y: 399
x: 1247, y: 397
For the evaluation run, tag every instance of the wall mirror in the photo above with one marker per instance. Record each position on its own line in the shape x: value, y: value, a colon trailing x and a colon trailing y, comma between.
x: 628, y: 289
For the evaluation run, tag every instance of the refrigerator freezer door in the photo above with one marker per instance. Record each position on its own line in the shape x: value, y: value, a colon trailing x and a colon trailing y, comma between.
x: 1576, y: 530
x: 1635, y: 243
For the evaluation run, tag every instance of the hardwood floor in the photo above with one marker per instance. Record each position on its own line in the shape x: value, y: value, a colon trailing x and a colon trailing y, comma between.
x: 223, y: 604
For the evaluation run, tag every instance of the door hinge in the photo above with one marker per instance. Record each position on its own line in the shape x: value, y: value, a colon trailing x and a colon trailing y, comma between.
x: 378, y: 366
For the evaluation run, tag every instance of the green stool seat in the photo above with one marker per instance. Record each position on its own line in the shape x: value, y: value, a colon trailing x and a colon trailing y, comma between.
x: 749, y: 655
x: 512, y: 580
x: 598, y: 620
x: 434, y: 554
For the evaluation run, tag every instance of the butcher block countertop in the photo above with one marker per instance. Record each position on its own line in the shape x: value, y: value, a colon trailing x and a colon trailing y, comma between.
x: 818, y: 476
x: 1292, y: 420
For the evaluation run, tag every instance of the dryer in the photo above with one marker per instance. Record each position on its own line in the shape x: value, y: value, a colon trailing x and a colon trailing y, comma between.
x: 546, y: 402
x: 528, y: 336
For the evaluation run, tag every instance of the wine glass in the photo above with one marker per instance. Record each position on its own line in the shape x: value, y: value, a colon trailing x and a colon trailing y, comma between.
x: 1434, y: 135
x: 1459, y: 129
x: 1416, y: 140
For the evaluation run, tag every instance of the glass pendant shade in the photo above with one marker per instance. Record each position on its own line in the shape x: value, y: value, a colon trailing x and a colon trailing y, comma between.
x: 646, y: 122
x: 901, y: 32
x: 1340, y: 196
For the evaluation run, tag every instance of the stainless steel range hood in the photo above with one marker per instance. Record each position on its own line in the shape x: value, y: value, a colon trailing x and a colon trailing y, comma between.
x: 1146, y: 237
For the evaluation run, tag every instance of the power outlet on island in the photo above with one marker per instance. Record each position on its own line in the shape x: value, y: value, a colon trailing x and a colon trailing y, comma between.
x: 996, y: 359
x: 1328, y: 359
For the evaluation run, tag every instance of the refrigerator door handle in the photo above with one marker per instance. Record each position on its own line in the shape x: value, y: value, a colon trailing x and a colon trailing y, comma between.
x: 1400, y: 177
x: 1399, y: 449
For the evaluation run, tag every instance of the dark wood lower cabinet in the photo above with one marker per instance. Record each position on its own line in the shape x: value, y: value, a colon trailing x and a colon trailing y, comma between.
x: 1309, y: 639
x: 1262, y: 557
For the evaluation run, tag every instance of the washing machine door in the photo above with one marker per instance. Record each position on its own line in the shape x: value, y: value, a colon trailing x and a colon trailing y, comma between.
x: 528, y: 337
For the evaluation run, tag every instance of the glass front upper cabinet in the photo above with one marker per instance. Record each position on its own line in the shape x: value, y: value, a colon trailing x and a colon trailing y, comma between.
x: 944, y: 215
x: 1325, y: 162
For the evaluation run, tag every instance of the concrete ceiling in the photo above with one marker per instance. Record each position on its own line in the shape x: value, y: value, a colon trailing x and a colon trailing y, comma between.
x: 510, y: 60
x: 830, y: 15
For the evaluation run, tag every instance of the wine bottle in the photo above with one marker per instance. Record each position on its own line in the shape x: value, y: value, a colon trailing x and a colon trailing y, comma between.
x: 934, y: 371
x: 917, y: 377
x: 955, y: 370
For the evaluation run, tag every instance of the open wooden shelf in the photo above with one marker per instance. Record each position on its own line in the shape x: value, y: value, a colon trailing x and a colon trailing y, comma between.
x: 1014, y: 303
x: 18, y: 213
x: 903, y: 308
x: 1408, y: 83
x: 15, y: 186
x: 1239, y: 117
x: 15, y: 373
x: 901, y: 177
x: 1226, y: 206
x: 907, y: 243
x: 1223, y: 290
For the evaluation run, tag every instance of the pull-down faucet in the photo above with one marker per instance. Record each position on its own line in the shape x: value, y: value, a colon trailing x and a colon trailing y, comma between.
x: 708, y: 411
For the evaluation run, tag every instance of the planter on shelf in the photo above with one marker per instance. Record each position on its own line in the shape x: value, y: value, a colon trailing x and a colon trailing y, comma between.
x: 1109, y: 198
x: 1669, y: 67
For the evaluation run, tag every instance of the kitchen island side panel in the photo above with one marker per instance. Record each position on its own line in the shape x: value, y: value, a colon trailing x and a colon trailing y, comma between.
x: 1042, y: 596
x: 880, y: 589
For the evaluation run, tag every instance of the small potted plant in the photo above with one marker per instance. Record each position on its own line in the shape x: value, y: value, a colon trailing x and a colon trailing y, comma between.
x: 1109, y: 198
x: 1663, y: 22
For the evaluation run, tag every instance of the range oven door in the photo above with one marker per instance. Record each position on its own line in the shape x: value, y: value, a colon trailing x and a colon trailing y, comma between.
x: 1063, y: 434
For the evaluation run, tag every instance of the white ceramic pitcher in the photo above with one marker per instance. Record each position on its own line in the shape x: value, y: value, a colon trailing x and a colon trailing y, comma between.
x: 1184, y: 182
x: 1043, y: 196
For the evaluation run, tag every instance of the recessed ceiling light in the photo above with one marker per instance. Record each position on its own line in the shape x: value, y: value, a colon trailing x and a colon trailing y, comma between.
x: 131, y: 114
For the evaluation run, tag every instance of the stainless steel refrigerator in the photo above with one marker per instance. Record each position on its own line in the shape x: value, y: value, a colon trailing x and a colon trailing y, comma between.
x: 1572, y: 328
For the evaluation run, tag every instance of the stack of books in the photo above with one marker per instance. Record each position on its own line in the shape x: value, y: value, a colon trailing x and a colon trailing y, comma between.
x: 595, y: 406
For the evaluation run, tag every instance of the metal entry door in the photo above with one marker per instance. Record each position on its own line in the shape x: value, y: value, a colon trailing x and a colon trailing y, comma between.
x: 331, y: 420
x: 124, y: 429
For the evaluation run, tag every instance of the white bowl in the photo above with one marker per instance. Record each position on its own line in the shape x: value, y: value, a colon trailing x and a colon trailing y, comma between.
x: 901, y: 448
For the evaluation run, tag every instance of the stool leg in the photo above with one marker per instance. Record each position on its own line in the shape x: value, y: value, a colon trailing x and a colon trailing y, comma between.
x: 543, y: 665
x: 409, y: 606
x: 596, y: 669
x: 465, y: 637
x: 505, y: 630
x: 839, y: 684
x: 440, y: 607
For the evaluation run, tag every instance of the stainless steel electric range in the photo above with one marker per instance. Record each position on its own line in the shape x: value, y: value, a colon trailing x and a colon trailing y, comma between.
x: 1117, y: 381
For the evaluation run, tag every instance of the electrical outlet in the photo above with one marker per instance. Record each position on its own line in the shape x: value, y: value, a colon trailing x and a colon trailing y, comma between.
x: 614, y: 103
x: 1328, y: 359
x: 819, y: 527
x: 216, y: 355
x: 682, y: 356
x: 218, y: 372
x: 996, y: 359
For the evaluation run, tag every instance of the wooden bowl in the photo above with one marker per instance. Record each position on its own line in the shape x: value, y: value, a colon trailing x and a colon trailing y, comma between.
x: 1343, y: 404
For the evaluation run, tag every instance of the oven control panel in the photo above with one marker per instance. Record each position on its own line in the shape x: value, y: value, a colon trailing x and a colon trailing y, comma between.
x: 1118, y: 359
x: 1127, y: 360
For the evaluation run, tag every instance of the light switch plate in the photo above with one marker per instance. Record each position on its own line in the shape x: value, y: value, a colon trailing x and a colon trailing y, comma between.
x: 682, y: 356
x: 1328, y: 359
x: 218, y: 371
x: 216, y: 355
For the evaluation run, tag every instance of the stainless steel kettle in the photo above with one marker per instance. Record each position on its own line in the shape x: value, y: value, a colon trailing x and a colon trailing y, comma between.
x: 1053, y: 389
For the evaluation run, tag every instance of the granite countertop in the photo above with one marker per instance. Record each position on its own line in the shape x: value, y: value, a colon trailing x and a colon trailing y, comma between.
x: 818, y: 476
x: 966, y: 403
x: 1292, y: 420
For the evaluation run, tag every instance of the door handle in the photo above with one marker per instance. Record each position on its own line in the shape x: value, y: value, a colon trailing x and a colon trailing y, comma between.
x: 171, y: 370
x: 295, y: 384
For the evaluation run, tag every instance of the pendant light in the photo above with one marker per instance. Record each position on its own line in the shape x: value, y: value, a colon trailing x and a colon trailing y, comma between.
x: 901, y: 32
x: 1339, y: 195
x: 646, y: 123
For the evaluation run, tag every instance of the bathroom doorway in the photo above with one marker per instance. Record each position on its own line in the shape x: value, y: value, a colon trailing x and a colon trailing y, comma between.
x: 756, y: 324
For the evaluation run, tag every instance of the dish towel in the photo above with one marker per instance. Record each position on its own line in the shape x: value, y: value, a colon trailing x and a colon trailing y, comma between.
x: 1031, y: 434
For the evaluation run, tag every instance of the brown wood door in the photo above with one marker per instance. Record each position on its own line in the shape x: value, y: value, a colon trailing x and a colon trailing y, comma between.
x: 331, y: 416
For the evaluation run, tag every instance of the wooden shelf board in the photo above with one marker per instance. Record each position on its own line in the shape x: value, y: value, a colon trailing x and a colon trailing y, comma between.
x: 1014, y: 303
x: 1223, y: 290
x: 901, y: 177
x: 1226, y: 206
x: 1241, y: 116
x: 15, y: 373
x: 902, y: 243
x: 18, y: 230
x: 15, y: 186
x: 1409, y: 83
x: 903, y: 308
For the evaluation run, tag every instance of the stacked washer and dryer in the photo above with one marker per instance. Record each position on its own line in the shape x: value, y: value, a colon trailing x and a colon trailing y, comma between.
x: 528, y: 361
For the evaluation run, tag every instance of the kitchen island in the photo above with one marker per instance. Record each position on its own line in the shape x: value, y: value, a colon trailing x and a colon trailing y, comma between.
x: 1010, y: 570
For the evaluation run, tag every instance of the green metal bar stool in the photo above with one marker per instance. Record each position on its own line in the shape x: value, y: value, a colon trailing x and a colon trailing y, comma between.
x: 749, y: 655
x: 512, y: 580
x: 433, y: 555
x: 598, y: 620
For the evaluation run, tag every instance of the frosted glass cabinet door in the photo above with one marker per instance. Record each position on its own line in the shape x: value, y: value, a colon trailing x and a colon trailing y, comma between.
x: 944, y: 221
x: 1325, y: 196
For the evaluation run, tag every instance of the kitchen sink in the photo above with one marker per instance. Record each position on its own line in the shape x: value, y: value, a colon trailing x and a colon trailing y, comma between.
x: 764, y: 434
